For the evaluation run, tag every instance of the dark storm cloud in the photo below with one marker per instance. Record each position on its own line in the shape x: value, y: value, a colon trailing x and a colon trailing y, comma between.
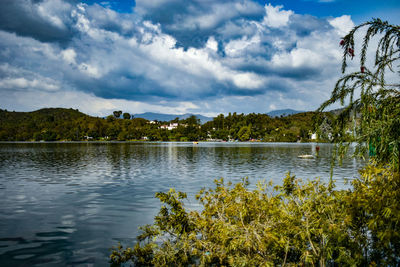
x: 301, y: 73
x: 43, y: 21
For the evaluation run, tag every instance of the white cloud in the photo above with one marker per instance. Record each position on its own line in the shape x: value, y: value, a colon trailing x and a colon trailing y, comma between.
x: 342, y: 24
x: 22, y: 83
x: 275, y: 17
x: 298, y: 57
x: 69, y: 56
x: 54, y: 11
x: 90, y: 70
x: 248, y: 80
x: 239, y: 47
x: 314, y: 51
x: 212, y: 44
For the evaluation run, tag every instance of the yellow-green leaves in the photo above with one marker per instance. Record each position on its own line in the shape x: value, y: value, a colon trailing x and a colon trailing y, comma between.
x: 299, y: 222
x: 374, y: 209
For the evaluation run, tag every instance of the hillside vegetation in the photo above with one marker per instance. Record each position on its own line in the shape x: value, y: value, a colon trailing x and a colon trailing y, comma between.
x: 58, y: 124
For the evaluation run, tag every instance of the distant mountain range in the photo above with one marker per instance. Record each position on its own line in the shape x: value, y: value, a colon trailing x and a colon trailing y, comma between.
x: 168, y: 117
x: 151, y: 116
x: 283, y: 112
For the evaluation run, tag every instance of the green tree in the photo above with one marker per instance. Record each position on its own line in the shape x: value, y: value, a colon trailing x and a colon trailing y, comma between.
x: 117, y: 113
x: 113, y: 131
x: 244, y: 133
x: 193, y: 121
x: 126, y: 116
x: 377, y: 107
x: 110, y: 118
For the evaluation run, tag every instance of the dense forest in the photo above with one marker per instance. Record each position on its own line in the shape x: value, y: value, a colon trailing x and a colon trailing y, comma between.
x: 58, y: 124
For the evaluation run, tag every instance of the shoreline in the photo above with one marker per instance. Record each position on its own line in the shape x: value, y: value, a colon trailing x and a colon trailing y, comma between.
x: 155, y: 142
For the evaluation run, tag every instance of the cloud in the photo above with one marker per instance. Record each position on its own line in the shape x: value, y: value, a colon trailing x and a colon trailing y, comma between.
x: 69, y: 56
x: 22, y: 83
x: 342, y: 24
x: 276, y: 17
x: 192, y: 22
x: 204, y: 57
x: 47, y: 20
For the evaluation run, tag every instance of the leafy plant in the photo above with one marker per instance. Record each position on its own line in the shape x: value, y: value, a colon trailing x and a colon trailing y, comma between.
x: 282, y: 225
x: 374, y: 213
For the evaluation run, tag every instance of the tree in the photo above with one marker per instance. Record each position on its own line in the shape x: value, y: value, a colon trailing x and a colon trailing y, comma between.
x: 377, y: 108
x: 193, y: 120
x: 110, y: 118
x: 117, y: 114
x: 126, y: 116
x: 244, y: 133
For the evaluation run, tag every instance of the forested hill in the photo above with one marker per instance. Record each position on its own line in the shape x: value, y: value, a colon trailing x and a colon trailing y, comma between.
x: 58, y: 124
x: 41, y: 124
x: 41, y: 115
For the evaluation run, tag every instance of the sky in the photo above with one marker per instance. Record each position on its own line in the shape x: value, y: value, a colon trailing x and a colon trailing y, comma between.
x: 176, y: 56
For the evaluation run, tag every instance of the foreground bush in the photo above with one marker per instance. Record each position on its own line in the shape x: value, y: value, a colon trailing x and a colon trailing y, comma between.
x: 374, y: 214
x: 297, y: 223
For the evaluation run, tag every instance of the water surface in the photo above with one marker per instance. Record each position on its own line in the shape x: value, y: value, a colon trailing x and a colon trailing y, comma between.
x: 68, y: 203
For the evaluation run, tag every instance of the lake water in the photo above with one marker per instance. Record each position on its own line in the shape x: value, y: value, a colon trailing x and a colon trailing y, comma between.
x: 68, y: 203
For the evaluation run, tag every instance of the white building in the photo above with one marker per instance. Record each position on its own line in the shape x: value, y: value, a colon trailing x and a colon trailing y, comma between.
x: 171, y: 126
x: 314, y: 136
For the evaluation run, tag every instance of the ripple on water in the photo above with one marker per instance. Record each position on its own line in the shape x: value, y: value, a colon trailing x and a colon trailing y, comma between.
x: 68, y: 203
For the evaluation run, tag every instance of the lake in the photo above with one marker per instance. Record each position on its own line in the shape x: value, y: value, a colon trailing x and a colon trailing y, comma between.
x: 69, y: 203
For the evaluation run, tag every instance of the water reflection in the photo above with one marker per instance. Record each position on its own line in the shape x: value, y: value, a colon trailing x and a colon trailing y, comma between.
x: 67, y: 203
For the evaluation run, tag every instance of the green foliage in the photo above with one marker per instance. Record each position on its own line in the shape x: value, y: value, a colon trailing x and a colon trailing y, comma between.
x: 117, y: 113
x: 306, y: 223
x: 44, y: 124
x: 244, y: 133
x: 377, y: 109
x: 126, y: 116
x: 261, y: 127
x: 69, y: 124
x: 374, y: 210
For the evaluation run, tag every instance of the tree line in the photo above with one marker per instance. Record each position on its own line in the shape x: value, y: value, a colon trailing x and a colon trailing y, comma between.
x: 58, y: 124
